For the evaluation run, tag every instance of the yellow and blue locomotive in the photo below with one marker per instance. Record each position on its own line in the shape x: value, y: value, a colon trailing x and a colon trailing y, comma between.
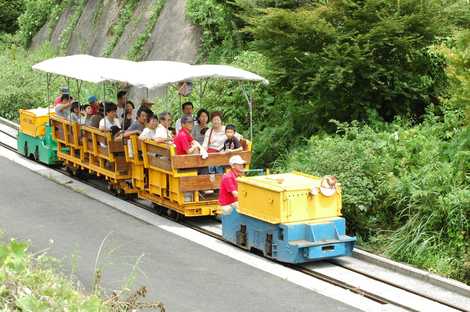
x: 289, y: 217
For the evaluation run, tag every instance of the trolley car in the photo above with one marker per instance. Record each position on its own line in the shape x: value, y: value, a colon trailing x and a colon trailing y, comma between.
x: 281, y: 215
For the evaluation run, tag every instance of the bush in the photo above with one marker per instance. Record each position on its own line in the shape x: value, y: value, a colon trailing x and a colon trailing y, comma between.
x: 344, y: 58
x: 218, y: 31
x: 405, y: 189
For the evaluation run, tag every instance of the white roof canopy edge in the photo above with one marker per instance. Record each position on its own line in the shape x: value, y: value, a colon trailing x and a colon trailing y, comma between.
x: 147, y: 74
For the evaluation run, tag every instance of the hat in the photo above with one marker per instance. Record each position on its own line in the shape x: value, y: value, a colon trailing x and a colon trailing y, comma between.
x: 64, y: 90
x: 92, y: 99
x: 236, y: 160
x: 145, y: 102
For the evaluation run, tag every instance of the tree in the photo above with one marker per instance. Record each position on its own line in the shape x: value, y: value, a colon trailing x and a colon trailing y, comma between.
x: 345, y: 59
x: 10, y: 10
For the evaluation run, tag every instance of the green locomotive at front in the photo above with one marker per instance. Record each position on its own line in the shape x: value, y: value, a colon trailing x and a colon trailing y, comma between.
x: 35, y: 136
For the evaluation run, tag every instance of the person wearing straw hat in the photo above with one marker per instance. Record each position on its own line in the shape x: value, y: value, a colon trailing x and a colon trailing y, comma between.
x: 228, y: 194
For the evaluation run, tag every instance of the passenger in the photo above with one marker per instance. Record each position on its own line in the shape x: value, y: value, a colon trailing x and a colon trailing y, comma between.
x: 87, y: 115
x: 187, y: 110
x: 172, y: 131
x: 185, y: 144
x: 232, y: 144
x: 228, y: 194
x: 110, y: 119
x: 75, y: 112
x: 95, y: 105
x: 129, y: 115
x: 138, y: 125
x: 63, y: 108
x: 214, y: 138
x: 96, y: 118
x: 144, y: 105
x: 149, y: 131
x: 199, y: 129
x: 163, y: 135
x: 63, y: 90
x: 121, y: 104
x: 116, y: 133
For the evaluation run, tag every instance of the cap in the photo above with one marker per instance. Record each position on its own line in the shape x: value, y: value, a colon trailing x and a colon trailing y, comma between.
x: 64, y: 90
x: 236, y: 160
x: 92, y: 99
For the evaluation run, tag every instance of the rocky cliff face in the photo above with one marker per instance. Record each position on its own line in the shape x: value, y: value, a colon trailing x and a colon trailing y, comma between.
x: 172, y: 38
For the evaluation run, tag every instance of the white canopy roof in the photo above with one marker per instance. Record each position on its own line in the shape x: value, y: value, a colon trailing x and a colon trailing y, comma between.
x: 82, y: 67
x: 148, y: 74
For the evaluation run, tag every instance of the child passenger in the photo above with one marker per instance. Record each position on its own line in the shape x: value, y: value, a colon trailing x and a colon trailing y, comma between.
x: 150, y: 131
x: 232, y: 144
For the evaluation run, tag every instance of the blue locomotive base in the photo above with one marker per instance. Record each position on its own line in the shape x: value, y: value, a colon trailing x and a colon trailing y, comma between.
x: 290, y: 243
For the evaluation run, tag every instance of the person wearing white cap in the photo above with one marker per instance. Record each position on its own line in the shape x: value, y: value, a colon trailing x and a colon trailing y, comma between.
x: 228, y: 194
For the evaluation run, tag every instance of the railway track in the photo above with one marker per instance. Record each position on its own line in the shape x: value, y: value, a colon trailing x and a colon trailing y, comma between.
x: 213, y: 229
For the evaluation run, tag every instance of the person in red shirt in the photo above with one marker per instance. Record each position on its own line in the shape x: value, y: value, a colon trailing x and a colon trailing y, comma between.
x: 184, y: 142
x: 228, y: 194
x: 58, y: 100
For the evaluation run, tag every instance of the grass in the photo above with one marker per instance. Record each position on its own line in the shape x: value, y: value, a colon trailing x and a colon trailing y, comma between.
x: 32, y: 282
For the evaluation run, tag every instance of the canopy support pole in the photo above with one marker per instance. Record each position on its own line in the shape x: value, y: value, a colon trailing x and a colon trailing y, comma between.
x: 104, y: 103
x: 48, y: 82
x: 249, y: 99
x: 79, y: 88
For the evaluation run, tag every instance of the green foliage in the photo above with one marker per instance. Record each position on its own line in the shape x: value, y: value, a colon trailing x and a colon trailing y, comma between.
x: 406, y: 188
x: 77, y: 9
x: 218, y: 37
x: 9, y: 13
x: 344, y: 58
x: 34, y: 16
x: 33, y: 283
x: 24, y: 88
x: 125, y: 15
x: 136, y: 52
x: 54, y: 16
x: 30, y: 284
x: 412, y: 182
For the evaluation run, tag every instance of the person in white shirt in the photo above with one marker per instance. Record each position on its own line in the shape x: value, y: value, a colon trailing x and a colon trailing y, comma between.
x: 187, y: 109
x: 162, y: 134
x: 215, y: 137
x: 110, y: 119
x: 149, y: 131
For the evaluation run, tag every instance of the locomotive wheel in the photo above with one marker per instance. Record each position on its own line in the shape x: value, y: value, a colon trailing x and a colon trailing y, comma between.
x: 159, y: 209
x: 178, y: 216
x: 26, y: 152
x: 36, y: 153
x: 109, y: 187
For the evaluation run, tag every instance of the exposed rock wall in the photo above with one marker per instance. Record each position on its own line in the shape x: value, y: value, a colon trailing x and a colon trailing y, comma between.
x: 173, y: 37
